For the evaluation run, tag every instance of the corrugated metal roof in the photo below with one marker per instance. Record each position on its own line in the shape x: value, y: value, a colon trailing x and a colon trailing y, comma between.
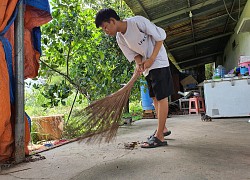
x: 197, y: 30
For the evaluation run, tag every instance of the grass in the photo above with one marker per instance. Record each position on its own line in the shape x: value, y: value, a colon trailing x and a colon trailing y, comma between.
x: 33, y: 107
x: 135, y: 111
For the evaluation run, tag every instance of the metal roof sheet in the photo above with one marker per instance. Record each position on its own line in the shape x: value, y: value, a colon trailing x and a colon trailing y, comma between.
x: 197, y: 30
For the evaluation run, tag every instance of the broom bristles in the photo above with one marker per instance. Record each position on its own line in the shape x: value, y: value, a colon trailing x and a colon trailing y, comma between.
x: 103, y: 116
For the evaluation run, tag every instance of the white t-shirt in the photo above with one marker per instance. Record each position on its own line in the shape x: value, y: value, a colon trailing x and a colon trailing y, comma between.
x: 140, y: 38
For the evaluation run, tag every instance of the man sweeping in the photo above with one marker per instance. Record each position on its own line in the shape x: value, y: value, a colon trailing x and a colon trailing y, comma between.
x: 142, y: 41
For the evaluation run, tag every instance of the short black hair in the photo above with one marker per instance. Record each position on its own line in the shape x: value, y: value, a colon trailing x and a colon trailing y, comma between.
x: 104, y: 15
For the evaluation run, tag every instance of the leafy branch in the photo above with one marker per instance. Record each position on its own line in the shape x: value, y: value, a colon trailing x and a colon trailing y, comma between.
x: 80, y: 89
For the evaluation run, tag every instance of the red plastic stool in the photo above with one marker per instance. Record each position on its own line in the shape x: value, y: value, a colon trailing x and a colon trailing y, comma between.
x: 201, y: 104
x: 193, y: 105
x: 196, y: 105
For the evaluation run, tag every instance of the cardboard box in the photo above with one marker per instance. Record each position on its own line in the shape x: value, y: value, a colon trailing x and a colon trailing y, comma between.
x: 188, y: 80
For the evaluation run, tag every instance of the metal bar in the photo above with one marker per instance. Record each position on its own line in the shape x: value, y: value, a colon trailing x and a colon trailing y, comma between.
x: 177, y: 13
x: 205, y: 56
x: 19, y: 85
x: 202, y: 41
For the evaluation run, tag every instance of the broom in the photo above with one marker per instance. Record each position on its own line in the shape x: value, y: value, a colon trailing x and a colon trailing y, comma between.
x: 102, y: 117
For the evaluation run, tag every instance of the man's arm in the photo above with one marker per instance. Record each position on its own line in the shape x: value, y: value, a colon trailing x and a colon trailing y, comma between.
x: 138, y: 62
x: 148, y: 62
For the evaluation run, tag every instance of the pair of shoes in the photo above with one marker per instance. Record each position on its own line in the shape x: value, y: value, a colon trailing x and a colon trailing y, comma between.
x: 164, y: 134
x: 154, y: 142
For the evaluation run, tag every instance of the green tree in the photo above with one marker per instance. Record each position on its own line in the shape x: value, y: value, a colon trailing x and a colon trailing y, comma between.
x: 74, y: 48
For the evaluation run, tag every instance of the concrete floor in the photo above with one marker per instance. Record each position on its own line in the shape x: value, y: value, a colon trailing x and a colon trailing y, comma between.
x: 196, y: 150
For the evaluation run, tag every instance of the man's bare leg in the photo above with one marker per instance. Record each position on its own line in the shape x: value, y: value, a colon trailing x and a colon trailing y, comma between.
x: 161, y: 108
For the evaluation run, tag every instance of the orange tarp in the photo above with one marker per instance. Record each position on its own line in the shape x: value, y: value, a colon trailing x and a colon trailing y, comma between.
x: 33, y: 18
x: 6, y: 138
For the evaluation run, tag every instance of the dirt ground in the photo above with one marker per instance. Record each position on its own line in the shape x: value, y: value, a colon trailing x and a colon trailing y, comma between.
x: 196, y: 150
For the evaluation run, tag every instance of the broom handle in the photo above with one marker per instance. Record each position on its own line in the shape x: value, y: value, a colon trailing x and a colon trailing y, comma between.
x: 135, y: 76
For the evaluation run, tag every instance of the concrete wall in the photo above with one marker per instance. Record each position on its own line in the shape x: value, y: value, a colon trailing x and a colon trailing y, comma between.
x: 242, y: 43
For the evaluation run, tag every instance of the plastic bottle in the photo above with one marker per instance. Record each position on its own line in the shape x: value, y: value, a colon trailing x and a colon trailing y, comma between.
x: 216, y: 74
x: 222, y: 71
x: 219, y: 72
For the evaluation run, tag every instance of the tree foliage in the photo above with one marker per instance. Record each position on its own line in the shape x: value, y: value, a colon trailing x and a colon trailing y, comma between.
x: 74, y: 48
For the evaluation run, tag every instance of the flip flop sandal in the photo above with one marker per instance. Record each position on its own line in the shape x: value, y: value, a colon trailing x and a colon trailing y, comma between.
x: 165, y: 134
x: 154, y: 142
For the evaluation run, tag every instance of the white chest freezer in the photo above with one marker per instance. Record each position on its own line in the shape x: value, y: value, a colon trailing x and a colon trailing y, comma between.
x: 227, y: 97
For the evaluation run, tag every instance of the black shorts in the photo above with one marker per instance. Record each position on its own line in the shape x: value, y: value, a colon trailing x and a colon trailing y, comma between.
x: 160, y: 83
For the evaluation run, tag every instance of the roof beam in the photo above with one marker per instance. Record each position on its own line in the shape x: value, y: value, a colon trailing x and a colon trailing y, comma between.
x: 201, y: 57
x: 143, y: 9
x: 171, y: 57
x: 183, y: 11
x: 201, y: 41
x: 214, y: 10
x: 197, y: 65
x: 203, y: 22
x: 200, y: 32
